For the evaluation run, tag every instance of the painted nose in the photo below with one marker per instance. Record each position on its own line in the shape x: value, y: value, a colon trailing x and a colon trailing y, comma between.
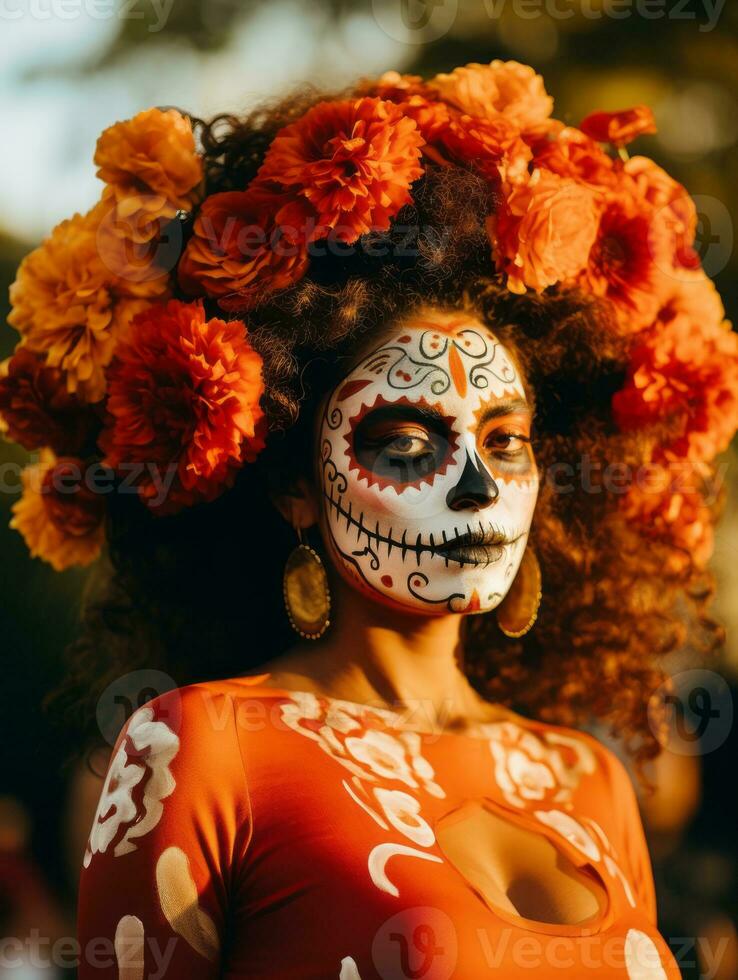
x: 476, y: 488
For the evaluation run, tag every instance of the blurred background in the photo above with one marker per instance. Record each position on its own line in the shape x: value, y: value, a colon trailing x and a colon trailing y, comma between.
x: 69, y: 68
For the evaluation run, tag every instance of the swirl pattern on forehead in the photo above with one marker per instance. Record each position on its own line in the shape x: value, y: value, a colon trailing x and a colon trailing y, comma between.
x: 402, y: 372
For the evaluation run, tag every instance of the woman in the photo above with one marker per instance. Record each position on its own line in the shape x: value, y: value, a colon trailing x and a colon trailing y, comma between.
x: 356, y: 423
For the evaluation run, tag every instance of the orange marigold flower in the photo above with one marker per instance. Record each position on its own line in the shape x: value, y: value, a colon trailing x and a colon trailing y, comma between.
x: 672, y: 205
x: 504, y: 88
x: 35, y: 408
x: 670, y: 507
x: 416, y: 99
x: 68, y: 305
x: 183, y: 408
x: 59, y: 516
x: 492, y: 146
x: 152, y: 168
x: 627, y: 261
x: 684, y: 375
x: 572, y: 154
x: 694, y: 294
x: 543, y: 231
x: 238, y: 252
x: 352, y: 160
x: 621, y: 127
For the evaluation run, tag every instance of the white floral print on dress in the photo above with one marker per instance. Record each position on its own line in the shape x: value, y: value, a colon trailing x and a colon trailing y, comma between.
x: 403, y: 812
x: 349, y: 969
x: 148, y: 748
x: 350, y: 733
x: 533, y: 768
x: 571, y: 830
x: 642, y: 959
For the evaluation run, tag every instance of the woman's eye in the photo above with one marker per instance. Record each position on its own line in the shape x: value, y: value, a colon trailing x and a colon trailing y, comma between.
x: 508, y: 442
x: 408, y: 445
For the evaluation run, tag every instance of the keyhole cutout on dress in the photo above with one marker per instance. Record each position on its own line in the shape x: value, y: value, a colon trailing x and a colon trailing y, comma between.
x: 516, y: 870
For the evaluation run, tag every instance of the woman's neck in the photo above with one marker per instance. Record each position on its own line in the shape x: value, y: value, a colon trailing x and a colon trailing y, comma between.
x: 385, y: 657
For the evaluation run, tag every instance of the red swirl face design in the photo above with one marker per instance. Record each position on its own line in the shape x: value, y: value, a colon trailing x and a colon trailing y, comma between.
x: 428, y: 478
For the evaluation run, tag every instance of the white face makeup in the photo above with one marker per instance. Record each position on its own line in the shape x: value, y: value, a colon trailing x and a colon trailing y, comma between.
x: 427, y: 473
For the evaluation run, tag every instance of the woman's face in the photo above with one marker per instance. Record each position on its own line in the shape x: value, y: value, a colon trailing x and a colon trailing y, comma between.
x: 426, y: 470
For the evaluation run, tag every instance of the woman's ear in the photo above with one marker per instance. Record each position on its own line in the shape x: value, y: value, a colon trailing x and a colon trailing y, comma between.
x: 300, y: 508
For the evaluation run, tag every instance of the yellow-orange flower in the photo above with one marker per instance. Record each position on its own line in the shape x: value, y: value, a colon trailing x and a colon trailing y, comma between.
x: 183, y: 409
x: 353, y: 160
x: 152, y: 170
x: 68, y: 305
x: 501, y: 88
x: 543, y: 231
x: 58, y: 515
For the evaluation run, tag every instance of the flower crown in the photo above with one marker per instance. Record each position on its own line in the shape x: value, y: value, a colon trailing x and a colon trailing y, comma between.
x: 114, y: 377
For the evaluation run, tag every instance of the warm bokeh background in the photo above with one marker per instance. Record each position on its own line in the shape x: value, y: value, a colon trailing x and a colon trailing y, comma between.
x: 69, y: 70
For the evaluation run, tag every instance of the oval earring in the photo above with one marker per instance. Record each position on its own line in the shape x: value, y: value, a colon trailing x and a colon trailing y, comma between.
x: 307, y: 597
x: 518, y: 611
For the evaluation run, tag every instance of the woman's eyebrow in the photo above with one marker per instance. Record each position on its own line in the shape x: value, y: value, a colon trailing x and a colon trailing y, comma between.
x: 425, y: 413
x: 506, y: 406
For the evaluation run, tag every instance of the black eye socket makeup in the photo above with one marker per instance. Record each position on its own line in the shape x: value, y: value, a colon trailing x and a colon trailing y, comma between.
x: 402, y: 442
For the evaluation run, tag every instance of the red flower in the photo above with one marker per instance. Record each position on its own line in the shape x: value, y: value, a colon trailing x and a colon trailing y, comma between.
x: 239, y: 253
x: 619, y: 128
x: 183, y: 406
x: 672, y: 204
x: 35, y: 408
x: 627, y: 261
x: 572, y: 154
x: 352, y: 160
x: 683, y: 375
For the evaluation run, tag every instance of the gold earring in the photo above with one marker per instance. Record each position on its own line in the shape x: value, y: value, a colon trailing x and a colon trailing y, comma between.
x: 518, y: 611
x: 307, y: 597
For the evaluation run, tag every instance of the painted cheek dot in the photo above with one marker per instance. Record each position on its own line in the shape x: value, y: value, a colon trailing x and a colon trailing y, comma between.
x: 404, y: 375
x: 386, y: 580
x: 405, y: 339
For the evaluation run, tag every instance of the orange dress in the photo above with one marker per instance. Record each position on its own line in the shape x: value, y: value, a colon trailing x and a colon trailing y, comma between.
x: 246, y: 831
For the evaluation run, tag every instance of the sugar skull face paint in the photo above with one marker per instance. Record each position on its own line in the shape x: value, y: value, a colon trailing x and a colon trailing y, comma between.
x: 427, y: 474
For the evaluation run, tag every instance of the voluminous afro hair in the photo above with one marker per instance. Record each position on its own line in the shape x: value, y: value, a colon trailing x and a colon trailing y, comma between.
x: 198, y: 594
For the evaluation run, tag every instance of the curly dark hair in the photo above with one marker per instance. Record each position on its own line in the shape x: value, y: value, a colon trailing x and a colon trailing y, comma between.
x: 180, y: 593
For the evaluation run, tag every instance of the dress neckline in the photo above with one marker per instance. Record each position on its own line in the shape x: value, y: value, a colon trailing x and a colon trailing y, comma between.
x: 481, y: 732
